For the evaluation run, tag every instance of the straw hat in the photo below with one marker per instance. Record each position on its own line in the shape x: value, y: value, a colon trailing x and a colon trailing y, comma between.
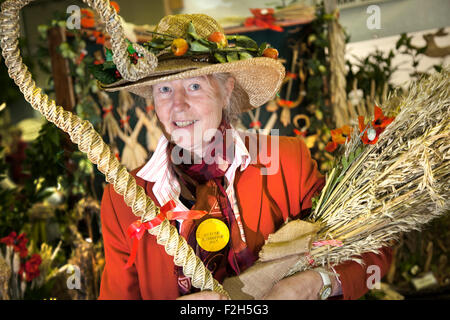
x: 260, y: 77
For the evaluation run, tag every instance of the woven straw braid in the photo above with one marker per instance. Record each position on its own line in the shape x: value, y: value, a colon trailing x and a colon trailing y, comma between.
x: 83, y: 134
x: 129, y: 71
x: 175, y: 25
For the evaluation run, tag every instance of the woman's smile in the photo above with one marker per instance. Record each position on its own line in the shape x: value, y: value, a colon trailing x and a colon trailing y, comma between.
x: 185, y: 123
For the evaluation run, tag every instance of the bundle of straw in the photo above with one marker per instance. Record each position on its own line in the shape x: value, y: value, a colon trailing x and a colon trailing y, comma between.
x: 374, y: 192
x: 296, y: 11
x: 397, y: 185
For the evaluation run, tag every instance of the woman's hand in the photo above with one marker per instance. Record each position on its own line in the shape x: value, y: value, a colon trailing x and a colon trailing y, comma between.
x: 304, y: 285
x: 204, y: 295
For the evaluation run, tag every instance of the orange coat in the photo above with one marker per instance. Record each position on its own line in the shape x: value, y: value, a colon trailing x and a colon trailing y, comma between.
x: 265, y: 202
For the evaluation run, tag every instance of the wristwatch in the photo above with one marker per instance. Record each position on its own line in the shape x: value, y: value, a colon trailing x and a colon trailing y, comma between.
x: 325, y: 292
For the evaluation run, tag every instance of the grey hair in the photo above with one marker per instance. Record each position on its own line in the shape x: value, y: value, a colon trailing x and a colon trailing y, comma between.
x: 239, y: 100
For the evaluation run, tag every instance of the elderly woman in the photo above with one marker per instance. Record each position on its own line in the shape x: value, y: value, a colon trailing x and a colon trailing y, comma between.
x: 203, y: 163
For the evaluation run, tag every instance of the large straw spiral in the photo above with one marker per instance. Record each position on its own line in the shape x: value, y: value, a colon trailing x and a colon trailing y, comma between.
x: 83, y: 134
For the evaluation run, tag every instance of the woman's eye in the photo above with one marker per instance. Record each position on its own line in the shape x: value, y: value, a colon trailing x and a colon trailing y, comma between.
x: 164, y: 89
x: 194, y: 86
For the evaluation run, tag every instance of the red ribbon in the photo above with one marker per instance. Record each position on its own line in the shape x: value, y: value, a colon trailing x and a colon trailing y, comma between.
x: 285, y: 103
x: 291, y: 75
x: 107, y: 110
x: 300, y: 133
x: 81, y: 56
x: 309, y: 258
x: 100, y: 61
x: 137, y: 229
x: 123, y: 121
x: 263, y: 18
x: 255, y: 124
x: 333, y: 243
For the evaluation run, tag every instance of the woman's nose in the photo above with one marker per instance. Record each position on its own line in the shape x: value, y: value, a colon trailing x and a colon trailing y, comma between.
x: 179, y: 100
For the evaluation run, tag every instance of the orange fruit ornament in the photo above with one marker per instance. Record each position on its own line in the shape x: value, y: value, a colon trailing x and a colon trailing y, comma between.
x: 219, y: 38
x: 270, y: 53
x: 179, y: 47
x: 115, y: 5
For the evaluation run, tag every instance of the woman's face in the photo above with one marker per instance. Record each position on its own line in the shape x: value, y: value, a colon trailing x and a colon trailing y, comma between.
x: 191, y: 109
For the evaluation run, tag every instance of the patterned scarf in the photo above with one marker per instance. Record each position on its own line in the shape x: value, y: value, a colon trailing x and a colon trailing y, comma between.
x: 202, y: 188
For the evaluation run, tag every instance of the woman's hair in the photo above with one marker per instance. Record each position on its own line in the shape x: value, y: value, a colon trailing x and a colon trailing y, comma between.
x: 238, y: 101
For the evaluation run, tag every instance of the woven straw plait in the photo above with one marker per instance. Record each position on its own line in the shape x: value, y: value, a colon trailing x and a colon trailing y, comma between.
x: 176, y: 25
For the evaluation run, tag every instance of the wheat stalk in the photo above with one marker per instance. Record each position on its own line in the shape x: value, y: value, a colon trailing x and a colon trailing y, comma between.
x: 395, y: 186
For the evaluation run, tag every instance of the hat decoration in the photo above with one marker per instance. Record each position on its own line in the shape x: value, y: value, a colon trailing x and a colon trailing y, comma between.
x: 216, y: 48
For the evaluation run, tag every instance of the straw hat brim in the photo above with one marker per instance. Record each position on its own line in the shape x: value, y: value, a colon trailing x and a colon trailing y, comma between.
x: 260, y: 77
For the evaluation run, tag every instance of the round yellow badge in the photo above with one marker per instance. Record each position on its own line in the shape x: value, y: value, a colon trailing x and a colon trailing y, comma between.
x: 212, y: 235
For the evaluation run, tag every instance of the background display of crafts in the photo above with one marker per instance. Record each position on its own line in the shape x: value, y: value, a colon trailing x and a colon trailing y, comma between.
x: 153, y: 132
x: 338, y: 82
x: 255, y: 124
x: 133, y: 153
x: 109, y: 123
x: 310, y: 140
x: 287, y: 104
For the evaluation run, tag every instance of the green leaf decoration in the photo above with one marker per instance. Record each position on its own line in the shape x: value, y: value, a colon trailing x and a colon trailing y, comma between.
x: 157, y: 45
x: 191, y: 28
x: 244, y: 55
x: 246, y: 42
x: 232, y: 56
x: 109, y: 65
x: 191, y: 31
x: 198, y: 47
x: 209, y: 44
x: 109, y: 55
x: 130, y: 49
x: 194, y: 36
x: 104, y: 76
x: 158, y: 40
x: 220, y: 57
x: 263, y: 47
